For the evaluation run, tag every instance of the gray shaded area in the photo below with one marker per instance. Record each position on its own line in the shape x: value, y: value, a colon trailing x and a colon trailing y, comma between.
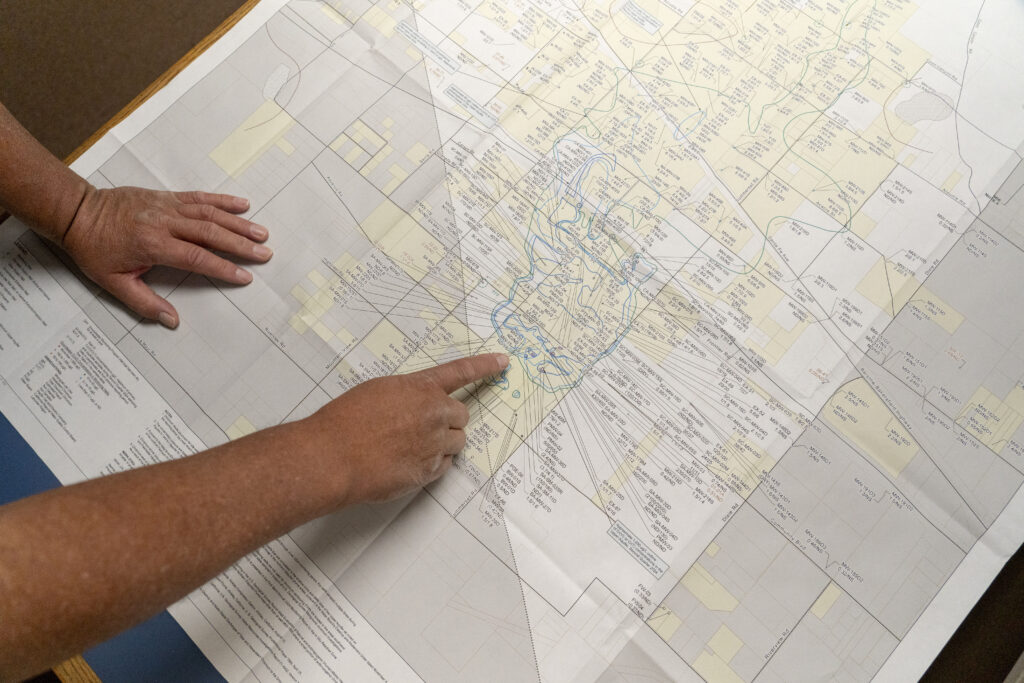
x: 448, y: 606
x: 1005, y: 210
x: 313, y: 222
x: 983, y: 481
x: 412, y: 122
x: 945, y: 370
x: 988, y: 264
x: 925, y: 106
x: 336, y: 540
x: 329, y: 111
x: 183, y: 404
x: 865, y: 532
x: 773, y: 582
x: 385, y: 57
x: 644, y: 659
x: 176, y: 146
x: 219, y: 373
x: 844, y: 644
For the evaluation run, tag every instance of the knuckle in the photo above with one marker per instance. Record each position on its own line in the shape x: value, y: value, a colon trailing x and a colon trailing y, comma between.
x: 206, y: 212
x: 432, y: 414
x: 167, y: 224
x: 148, y: 241
x: 194, y: 256
x: 157, y: 219
x: 207, y: 232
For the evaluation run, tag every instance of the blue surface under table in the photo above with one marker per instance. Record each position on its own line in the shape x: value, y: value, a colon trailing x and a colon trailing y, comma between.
x: 155, y: 650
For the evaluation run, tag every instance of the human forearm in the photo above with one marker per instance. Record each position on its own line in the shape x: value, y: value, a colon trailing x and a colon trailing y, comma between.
x: 81, y: 563
x: 34, y: 185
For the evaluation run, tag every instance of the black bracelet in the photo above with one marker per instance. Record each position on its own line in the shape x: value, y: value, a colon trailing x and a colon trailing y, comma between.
x: 74, y: 216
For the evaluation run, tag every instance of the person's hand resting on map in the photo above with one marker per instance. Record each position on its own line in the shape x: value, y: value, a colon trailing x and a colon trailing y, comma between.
x: 80, y: 563
x: 115, y: 236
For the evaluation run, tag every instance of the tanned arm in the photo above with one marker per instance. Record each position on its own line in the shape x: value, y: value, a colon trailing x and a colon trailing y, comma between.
x: 81, y: 563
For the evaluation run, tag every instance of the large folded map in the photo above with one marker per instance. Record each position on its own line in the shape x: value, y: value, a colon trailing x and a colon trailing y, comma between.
x: 757, y: 267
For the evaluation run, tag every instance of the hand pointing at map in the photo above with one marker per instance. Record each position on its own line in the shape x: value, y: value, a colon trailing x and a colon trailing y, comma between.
x: 143, y: 538
x: 401, y: 431
x: 115, y: 236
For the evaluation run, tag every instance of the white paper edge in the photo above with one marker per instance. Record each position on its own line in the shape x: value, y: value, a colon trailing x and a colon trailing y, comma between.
x: 963, y: 589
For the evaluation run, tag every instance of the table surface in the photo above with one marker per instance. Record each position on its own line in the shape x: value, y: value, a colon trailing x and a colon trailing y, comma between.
x: 69, y: 67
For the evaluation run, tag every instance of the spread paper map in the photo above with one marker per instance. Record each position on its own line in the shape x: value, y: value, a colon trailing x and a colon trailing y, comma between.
x: 756, y: 267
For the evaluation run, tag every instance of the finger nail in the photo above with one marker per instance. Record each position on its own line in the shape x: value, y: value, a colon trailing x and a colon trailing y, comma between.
x: 243, y: 276
x: 262, y: 252
x: 242, y: 203
x: 167, y: 320
x: 258, y: 232
x: 503, y: 360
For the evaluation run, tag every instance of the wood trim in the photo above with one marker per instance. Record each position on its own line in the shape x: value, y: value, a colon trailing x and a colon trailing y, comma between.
x: 76, y: 669
x: 164, y: 78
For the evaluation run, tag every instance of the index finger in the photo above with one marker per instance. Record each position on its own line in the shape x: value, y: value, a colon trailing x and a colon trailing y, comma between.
x: 228, y: 202
x: 458, y: 373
